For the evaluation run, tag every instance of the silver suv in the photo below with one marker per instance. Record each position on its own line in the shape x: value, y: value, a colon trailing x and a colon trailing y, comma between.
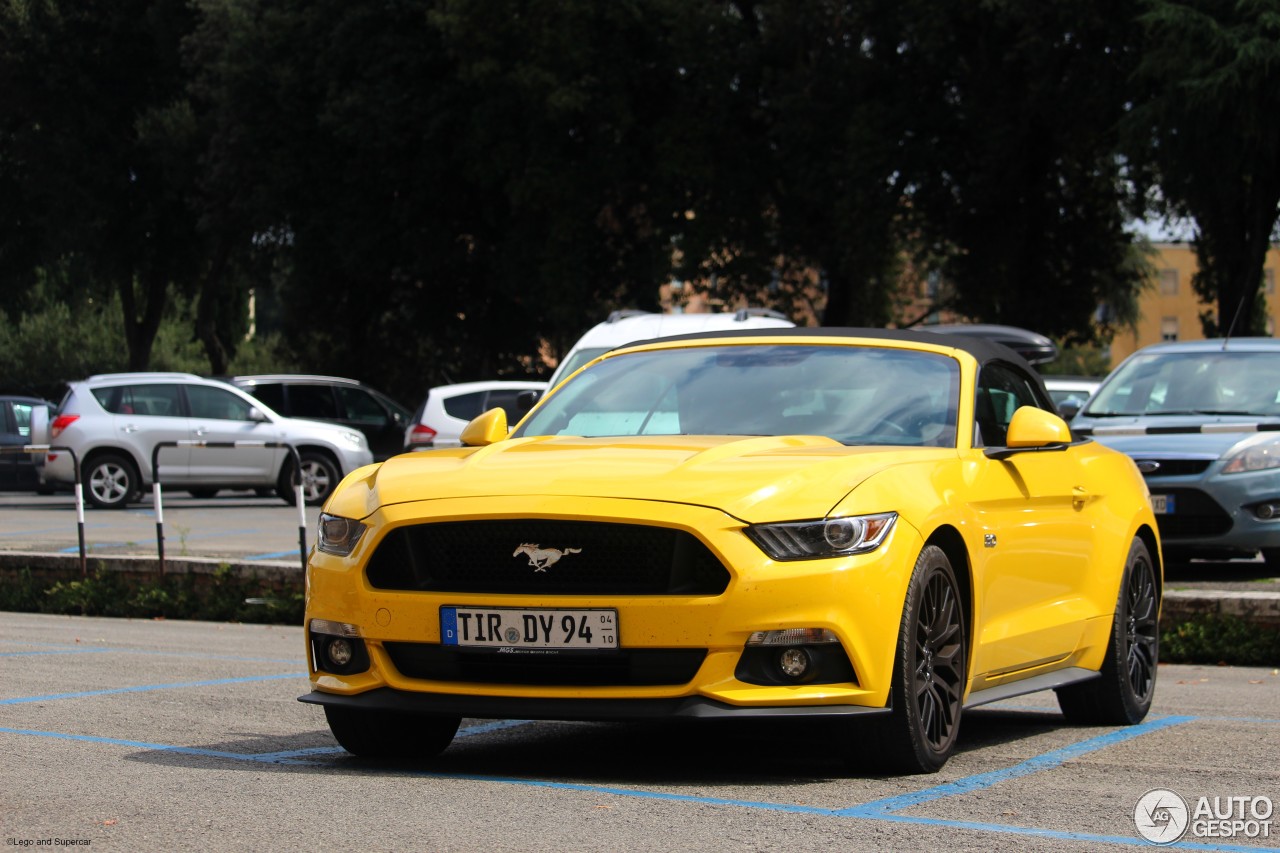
x: 114, y: 421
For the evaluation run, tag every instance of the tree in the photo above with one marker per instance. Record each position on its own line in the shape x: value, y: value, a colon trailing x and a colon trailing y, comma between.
x: 97, y: 153
x: 1011, y: 175
x: 1206, y: 144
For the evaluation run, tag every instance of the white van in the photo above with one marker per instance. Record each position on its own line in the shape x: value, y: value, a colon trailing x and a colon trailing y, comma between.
x: 624, y: 327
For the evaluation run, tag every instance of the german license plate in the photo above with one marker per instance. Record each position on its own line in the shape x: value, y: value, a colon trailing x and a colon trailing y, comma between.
x: 1162, y: 504
x: 523, y: 628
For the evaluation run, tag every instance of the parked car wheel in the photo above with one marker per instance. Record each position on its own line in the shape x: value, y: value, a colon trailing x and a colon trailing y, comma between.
x: 929, y: 674
x: 1122, y: 694
x: 319, y: 478
x: 111, y: 480
x: 385, y: 734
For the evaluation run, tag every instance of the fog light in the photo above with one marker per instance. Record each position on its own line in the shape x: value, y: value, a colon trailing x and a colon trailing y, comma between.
x: 339, y: 651
x: 1267, y: 511
x: 794, y: 663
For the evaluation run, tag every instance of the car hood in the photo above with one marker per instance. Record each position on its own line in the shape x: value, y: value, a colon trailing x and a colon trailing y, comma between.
x: 752, y: 478
x: 1170, y: 436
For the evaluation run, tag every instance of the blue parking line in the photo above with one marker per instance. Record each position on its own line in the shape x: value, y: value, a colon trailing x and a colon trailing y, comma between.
x: 23, y: 700
x: 273, y: 556
x: 1045, y: 761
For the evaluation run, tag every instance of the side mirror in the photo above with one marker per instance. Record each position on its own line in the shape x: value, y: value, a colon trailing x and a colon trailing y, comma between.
x: 526, y: 400
x: 257, y: 416
x: 1032, y: 430
x: 1070, y: 406
x: 485, y: 429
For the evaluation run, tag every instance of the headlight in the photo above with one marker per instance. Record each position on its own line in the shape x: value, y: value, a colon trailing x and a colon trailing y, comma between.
x: 355, y: 439
x: 338, y: 535
x: 824, y: 537
x: 1253, y: 454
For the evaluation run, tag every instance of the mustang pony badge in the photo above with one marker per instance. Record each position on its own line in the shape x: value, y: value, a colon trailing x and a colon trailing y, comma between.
x: 540, y: 558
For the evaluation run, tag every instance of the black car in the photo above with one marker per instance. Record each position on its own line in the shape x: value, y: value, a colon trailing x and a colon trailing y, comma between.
x: 20, y: 471
x: 336, y: 400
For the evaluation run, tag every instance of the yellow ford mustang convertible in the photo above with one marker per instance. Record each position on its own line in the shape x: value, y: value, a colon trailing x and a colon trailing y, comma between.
x: 878, y: 527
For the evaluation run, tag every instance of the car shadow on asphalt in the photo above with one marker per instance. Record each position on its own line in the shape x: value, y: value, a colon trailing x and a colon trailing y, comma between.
x: 705, y: 754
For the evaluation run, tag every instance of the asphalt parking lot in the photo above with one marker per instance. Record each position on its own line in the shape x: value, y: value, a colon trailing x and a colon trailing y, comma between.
x: 149, y: 735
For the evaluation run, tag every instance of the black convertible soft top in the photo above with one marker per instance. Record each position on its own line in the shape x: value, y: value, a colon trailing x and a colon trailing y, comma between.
x: 982, y: 349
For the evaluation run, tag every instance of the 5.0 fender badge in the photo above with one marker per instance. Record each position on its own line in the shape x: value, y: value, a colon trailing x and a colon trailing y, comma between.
x: 541, y: 558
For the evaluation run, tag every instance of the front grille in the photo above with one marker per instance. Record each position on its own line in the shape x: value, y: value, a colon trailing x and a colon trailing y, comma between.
x: 620, y: 668
x: 1195, y: 514
x: 1176, y: 467
x: 564, y: 558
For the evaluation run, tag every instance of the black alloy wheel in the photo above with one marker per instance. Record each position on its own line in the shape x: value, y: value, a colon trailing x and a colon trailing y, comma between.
x: 929, y: 675
x: 1122, y: 693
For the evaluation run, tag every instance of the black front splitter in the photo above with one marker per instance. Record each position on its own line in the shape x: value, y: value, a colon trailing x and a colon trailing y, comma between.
x: 584, y: 710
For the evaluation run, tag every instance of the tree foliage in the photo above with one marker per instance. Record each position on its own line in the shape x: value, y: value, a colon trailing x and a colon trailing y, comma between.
x: 1206, y: 144
x: 414, y: 193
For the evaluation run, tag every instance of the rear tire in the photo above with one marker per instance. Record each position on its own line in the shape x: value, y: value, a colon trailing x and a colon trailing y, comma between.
x: 929, y: 675
x: 320, y: 477
x: 386, y: 734
x: 1122, y: 694
x: 110, y: 480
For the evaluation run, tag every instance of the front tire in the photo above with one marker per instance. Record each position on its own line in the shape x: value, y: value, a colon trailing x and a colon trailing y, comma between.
x: 110, y: 480
x: 386, y: 734
x: 929, y: 674
x: 1122, y: 694
x: 320, y: 477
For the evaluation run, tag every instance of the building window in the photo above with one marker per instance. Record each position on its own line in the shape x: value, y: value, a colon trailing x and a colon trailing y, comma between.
x: 1271, y: 327
x: 1269, y: 277
x: 1168, y: 282
x: 1169, y: 329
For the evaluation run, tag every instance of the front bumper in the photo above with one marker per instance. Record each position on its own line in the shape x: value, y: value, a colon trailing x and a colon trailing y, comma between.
x: 859, y: 599
x: 1216, y: 514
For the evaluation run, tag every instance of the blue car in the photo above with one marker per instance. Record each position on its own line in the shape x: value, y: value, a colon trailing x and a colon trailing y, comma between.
x: 1201, y: 419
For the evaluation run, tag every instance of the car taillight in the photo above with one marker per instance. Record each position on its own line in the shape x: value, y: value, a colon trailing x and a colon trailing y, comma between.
x: 60, y: 423
x: 422, y: 434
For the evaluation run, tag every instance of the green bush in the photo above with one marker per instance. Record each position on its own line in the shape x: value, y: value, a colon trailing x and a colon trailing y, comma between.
x: 224, y: 598
x: 1220, y: 639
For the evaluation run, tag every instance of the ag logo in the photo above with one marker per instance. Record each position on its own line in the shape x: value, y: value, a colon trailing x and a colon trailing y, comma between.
x: 540, y: 558
x: 1161, y: 816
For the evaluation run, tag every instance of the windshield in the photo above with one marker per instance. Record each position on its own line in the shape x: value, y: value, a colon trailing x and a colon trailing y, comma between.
x: 1192, y: 383
x: 853, y: 394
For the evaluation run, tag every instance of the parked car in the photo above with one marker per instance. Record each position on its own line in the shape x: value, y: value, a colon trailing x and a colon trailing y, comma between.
x: 1070, y: 393
x: 333, y: 399
x: 114, y: 422
x: 876, y: 528
x: 21, y: 471
x: 1202, y: 421
x: 624, y: 327
x: 448, y: 408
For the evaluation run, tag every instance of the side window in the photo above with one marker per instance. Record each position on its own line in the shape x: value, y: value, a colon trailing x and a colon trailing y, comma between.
x: 360, y: 406
x: 154, y: 400
x: 505, y: 399
x: 312, y: 401
x: 22, y: 418
x: 1001, y: 391
x: 216, y: 404
x: 271, y: 395
x: 464, y: 406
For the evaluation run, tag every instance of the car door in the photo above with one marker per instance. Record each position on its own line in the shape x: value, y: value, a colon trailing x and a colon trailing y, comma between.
x: 145, y: 415
x: 1036, y: 524
x: 222, y: 416
x: 11, y: 466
